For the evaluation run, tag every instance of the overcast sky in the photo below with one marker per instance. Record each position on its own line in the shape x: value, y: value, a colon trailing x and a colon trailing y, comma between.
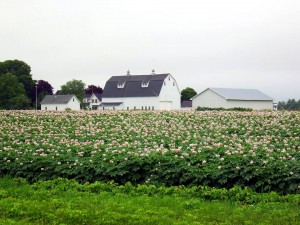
x: 202, y: 43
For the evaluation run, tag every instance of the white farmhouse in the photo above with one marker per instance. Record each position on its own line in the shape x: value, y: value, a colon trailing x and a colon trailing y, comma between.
x: 92, y: 101
x: 231, y: 98
x: 141, y: 92
x: 60, y: 102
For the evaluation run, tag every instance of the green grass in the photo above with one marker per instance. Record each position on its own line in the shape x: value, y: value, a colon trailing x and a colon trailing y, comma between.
x: 64, y: 202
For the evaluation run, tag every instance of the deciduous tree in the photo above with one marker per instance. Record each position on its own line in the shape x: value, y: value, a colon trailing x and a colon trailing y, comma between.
x: 187, y: 94
x: 12, y: 93
x: 74, y: 87
x: 93, y: 89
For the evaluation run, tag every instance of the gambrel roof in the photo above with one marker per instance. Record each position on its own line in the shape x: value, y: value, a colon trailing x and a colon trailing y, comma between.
x: 134, y: 85
x: 57, y: 99
x: 239, y: 94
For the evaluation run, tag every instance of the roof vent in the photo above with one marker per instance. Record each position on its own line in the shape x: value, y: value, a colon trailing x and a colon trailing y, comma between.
x: 153, y: 72
x: 128, y: 73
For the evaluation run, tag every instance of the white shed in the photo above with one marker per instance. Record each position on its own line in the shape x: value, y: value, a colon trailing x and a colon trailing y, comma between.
x: 60, y: 102
x: 141, y: 92
x: 231, y: 98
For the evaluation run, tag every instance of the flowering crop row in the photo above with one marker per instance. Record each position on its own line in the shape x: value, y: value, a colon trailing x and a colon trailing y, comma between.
x: 221, y: 149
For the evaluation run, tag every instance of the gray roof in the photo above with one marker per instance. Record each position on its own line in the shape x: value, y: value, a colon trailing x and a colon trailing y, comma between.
x: 241, y: 94
x: 133, y: 86
x: 57, y: 99
x: 103, y: 104
x: 98, y: 95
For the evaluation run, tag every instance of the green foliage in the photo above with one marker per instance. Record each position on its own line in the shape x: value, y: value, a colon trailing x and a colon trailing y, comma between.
x: 12, y: 93
x: 62, y: 201
x: 291, y: 104
x: 74, y: 87
x: 22, y: 72
x: 187, y: 94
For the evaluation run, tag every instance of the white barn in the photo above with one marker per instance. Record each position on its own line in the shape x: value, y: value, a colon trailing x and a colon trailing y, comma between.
x: 231, y: 98
x: 141, y: 92
x: 60, y: 102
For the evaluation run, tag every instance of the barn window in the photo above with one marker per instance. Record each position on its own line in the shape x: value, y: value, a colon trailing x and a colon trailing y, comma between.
x: 149, y: 107
x: 134, y: 108
x: 114, y: 108
x: 121, y: 84
x: 145, y: 84
x: 127, y: 108
x: 152, y: 107
x: 45, y: 108
x: 73, y: 99
x: 56, y: 108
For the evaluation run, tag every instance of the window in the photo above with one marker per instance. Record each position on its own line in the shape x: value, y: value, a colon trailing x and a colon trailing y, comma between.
x: 149, y: 107
x: 152, y: 107
x: 134, y: 108
x: 127, y: 108
x: 145, y: 84
x: 121, y: 84
x: 114, y: 108
x: 142, y: 108
x: 96, y: 100
x: 93, y: 100
x: 103, y: 108
x: 73, y: 100
x: 169, y: 77
x: 173, y: 83
x: 45, y: 108
x: 56, y: 108
x: 164, y: 82
x: 145, y: 107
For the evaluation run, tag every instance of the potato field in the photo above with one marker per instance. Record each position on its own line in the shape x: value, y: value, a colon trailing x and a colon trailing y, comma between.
x: 259, y: 150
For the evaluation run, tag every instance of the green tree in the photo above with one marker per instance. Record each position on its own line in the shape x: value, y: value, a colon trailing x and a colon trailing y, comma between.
x: 12, y: 93
x: 187, y: 94
x: 22, y: 71
x: 74, y: 87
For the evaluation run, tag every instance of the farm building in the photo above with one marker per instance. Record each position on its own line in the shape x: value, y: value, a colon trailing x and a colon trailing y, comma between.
x: 92, y: 101
x: 141, y: 92
x: 187, y: 105
x: 231, y: 98
x: 60, y: 102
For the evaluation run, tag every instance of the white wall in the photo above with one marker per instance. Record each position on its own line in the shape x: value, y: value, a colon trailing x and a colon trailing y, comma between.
x: 134, y: 103
x: 169, y: 96
x: 74, y: 105
x: 210, y: 99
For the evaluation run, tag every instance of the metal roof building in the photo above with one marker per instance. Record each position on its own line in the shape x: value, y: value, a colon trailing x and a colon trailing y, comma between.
x: 233, y: 97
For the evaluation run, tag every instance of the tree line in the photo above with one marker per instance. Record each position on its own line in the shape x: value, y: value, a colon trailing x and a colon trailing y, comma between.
x: 19, y: 91
x: 291, y: 104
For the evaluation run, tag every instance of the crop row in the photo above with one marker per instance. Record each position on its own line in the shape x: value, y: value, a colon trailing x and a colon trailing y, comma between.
x: 260, y: 150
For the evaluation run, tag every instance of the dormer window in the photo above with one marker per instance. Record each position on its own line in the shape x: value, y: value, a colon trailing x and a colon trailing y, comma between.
x: 121, y: 84
x: 145, y: 84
